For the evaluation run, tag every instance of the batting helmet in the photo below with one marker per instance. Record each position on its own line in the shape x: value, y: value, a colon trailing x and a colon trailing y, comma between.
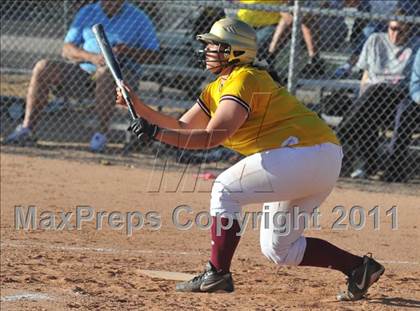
x: 240, y: 38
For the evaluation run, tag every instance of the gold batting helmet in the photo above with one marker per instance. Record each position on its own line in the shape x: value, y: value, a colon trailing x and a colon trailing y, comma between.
x: 239, y: 36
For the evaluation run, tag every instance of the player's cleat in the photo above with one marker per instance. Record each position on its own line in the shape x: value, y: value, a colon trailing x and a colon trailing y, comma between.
x: 21, y: 136
x: 361, y: 278
x: 207, y: 282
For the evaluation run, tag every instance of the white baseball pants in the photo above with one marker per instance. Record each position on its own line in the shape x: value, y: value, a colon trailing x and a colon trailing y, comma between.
x: 288, y: 180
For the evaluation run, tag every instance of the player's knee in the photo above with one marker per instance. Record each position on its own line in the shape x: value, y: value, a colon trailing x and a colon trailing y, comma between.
x: 219, y: 193
x: 41, y: 67
x: 280, y: 254
x: 222, y: 199
x: 284, y: 253
x: 274, y: 254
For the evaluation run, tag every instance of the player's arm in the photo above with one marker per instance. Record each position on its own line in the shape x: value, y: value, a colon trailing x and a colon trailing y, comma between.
x: 194, y: 118
x: 228, y: 118
x: 73, y: 53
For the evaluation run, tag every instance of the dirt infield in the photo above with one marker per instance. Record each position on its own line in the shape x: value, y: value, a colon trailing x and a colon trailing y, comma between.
x: 88, y: 269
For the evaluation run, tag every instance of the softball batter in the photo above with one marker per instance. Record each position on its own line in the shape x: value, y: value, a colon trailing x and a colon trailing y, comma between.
x: 293, y: 159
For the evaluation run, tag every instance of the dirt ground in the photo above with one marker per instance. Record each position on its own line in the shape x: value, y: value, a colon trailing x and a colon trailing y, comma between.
x: 88, y: 269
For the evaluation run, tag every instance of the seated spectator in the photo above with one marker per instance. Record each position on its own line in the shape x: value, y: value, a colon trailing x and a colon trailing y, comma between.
x: 406, y: 123
x: 415, y: 80
x: 363, y: 28
x: 386, y: 61
x: 134, y: 42
x: 312, y: 27
x: 264, y: 22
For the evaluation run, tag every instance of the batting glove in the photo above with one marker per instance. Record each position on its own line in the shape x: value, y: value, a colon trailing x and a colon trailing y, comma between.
x: 143, y: 129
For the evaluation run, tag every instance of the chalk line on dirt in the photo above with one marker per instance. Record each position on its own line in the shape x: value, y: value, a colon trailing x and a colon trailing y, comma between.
x: 26, y: 296
x: 99, y: 249
x: 144, y: 251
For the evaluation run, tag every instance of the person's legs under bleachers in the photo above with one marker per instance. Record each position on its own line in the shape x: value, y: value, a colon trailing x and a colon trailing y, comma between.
x: 47, y: 75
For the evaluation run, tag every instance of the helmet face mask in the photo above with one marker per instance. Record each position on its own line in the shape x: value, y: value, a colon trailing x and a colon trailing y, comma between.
x: 209, y: 56
x: 236, y: 40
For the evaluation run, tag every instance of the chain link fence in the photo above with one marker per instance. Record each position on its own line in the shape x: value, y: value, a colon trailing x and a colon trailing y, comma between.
x: 320, y: 50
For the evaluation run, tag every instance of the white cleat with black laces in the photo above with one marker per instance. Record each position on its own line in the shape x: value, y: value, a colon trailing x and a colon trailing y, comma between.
x: 208, y: 282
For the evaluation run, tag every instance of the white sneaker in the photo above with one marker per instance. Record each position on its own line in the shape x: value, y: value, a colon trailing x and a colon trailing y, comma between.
x: 21, y: 135
x: 98, y: 142
x: 359, y: 173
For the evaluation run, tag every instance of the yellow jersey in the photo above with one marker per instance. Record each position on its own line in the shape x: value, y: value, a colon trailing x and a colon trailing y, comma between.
x: 275, y: 117
x: 257, y: 18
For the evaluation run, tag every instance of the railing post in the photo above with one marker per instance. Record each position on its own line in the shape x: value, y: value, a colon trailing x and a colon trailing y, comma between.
x: 66, y: 16
x: 294, y: 46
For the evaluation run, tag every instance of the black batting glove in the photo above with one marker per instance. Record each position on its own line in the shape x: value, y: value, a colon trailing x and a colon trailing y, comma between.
x: 143, y: 129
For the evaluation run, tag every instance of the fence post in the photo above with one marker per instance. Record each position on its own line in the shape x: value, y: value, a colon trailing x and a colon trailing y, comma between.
x: 294, y: 46
x: 66, y: 15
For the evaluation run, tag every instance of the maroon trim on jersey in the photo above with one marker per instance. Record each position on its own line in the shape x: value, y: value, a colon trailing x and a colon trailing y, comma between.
x: 238, y: 100
x: 203, y: 106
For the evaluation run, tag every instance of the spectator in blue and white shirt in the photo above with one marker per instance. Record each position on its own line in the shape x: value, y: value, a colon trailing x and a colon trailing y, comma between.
x: 134, y: 41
